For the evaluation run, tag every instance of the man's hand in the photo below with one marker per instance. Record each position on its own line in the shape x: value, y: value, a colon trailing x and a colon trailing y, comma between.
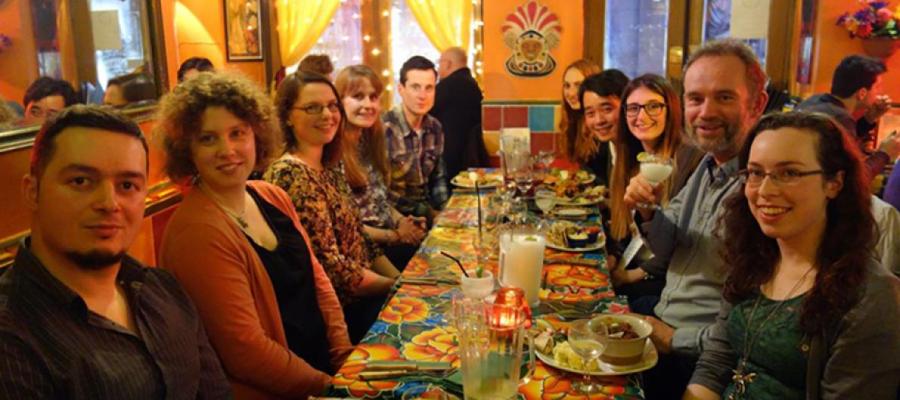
x: 409, y: 231
x: 881, y: 105
x: 662, y: 334
x: 891, y: 145
x: 640, y: 191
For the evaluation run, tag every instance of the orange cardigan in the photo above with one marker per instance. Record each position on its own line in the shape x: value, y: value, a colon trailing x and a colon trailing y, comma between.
x: 222, y: 273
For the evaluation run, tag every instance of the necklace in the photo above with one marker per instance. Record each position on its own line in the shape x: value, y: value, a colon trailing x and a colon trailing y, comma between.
x: 740, y: 378
x: 237, y: 217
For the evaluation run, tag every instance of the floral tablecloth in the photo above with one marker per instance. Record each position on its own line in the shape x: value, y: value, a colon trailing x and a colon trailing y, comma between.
x: 412, y: 325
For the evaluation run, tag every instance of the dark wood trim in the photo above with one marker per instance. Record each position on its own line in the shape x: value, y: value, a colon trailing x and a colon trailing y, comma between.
x: 594, y: 30
x: 82, y: 42
x: 271, y: 43
x: 781, y: 43
x: 157, y: 45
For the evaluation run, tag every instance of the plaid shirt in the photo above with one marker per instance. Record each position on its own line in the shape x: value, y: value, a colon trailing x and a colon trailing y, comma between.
x: 418, y: 173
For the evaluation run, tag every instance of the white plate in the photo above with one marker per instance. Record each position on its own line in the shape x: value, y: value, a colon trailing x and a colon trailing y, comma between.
x: 601, y: 241
x: 571, y: 212
x: 492, y: 183
x: 562, y: 201
x: 649, y: 359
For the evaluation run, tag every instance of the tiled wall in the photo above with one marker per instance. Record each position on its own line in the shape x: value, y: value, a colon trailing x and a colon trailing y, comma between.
x: 541, y: 118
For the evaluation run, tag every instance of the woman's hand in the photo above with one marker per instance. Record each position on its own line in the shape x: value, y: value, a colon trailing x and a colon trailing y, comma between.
x: 409, y: 230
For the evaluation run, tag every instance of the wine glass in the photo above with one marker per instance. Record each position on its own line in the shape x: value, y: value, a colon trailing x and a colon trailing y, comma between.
x: 588, y: 339
x: 655, y: 169
x: 545, y: 200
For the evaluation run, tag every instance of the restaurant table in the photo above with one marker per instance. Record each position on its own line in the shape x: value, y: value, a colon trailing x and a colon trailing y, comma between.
x: 413, y: 324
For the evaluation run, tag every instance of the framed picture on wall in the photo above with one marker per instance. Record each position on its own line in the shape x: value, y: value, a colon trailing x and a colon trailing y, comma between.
x: 243, y: 30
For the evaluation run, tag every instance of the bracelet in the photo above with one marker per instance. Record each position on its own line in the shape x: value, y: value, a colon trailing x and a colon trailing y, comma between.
x: 396, y: 238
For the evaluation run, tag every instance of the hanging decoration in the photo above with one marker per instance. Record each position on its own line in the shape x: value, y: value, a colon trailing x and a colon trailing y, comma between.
x: 531, y: 32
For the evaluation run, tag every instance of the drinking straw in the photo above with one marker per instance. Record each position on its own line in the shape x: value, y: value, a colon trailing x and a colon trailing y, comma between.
x: 445, y: 254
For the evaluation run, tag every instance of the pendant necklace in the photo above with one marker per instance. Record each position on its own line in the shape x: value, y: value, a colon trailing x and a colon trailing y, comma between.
x: 740, y: 377
x: 237, y: 217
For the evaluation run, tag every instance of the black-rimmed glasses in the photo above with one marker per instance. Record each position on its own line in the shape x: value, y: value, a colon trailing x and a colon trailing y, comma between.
x: 652, y: 108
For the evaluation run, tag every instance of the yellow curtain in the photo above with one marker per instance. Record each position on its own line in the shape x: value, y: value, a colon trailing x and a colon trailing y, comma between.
x: 447, y: 23
x: 300, y: 23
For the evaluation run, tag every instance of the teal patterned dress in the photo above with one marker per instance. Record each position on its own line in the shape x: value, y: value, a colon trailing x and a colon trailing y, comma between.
x: 779, y: 354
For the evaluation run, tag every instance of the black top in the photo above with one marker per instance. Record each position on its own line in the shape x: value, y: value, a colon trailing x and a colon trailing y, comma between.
x: 457, y: 105
x: 601, y: 164
x: 290, y: 270
x: 54, y: 347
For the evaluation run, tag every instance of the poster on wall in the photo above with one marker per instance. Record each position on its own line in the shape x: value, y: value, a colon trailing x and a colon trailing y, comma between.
x: 530, y: 32
x: 242, y: 30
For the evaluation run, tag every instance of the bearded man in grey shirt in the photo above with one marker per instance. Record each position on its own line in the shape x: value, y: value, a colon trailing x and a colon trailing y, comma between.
x: 724, y: 96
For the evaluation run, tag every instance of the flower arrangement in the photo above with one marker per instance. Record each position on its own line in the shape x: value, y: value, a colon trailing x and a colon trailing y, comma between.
x: 874, y: 19
x: 5, y: 42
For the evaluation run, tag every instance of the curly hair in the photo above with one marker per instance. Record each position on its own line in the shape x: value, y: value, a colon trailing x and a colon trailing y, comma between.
x: 628, y: 146
x: 570, y: 115
x: 372, y: 139
x: 180, y: 118
x: 289, y: 94
x: 846, y: 244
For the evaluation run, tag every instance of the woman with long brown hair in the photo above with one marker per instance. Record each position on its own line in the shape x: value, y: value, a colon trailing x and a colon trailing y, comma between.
x: 312, y: 118
x: 651, y: 110
x: 570, y: 121
x: 366, y: 165
x: 808, y: 312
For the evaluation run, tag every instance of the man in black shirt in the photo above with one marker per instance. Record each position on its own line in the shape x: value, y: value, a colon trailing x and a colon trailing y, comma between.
x: 79, y: 319
x: 857, y: 102
x: 457, y: 104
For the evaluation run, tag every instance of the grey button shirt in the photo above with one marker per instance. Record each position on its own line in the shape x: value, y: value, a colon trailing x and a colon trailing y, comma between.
x: 683, y: 233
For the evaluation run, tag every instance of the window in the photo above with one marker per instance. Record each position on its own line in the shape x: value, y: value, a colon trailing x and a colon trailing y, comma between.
x: 119, y: 42
x: 407, y: 40
x: 717, y: 25
x: 342, y: 40
x: 635, y: 40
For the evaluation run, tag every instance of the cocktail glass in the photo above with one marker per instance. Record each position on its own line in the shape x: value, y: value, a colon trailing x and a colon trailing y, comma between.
x: 655, y: 170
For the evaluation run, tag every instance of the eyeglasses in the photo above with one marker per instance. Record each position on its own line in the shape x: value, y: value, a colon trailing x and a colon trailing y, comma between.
x: 652, y: 109
x: 316, y: 109
x: 781, y: 177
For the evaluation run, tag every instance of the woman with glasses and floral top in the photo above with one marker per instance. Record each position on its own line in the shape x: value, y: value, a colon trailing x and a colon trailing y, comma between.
x: 312, y: 119
x: 652, y: 113
x: 808, y: 313
x: 238, y: 248
x: 367, y: 169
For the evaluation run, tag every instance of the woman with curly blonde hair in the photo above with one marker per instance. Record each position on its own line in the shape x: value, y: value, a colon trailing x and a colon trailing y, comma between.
x: 238, y: 248
x: 571, y: 125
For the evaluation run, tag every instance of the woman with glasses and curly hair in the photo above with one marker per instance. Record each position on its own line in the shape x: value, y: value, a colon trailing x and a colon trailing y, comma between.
x: 367, y: 169
x: 652, y: 115
x: 238, y: 248
x: 808, y: 312
x: 312, y: 119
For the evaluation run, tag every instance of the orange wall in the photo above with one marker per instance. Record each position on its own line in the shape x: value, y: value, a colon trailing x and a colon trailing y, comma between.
x: 199, y: 31
x: 501, y: 85
x: 18, y: 64
x: 833, y: 44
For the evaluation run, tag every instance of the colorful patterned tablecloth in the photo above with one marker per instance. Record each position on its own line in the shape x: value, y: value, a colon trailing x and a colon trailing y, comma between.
x: 412, y: 325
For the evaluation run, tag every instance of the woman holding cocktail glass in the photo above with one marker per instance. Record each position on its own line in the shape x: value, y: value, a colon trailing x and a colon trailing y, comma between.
x: 651, y: 110
x: 366, y: 166
x: 807, y: 313
x: 312, y: 118
x: 238, y: 248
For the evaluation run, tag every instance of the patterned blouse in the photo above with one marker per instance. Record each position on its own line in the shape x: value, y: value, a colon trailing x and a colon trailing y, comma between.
x: 322, y: 199
x: 372, y: 201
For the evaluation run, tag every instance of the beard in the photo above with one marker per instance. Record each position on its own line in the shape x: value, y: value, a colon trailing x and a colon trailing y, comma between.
x: 729, y: 143
x: 95, y: 260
